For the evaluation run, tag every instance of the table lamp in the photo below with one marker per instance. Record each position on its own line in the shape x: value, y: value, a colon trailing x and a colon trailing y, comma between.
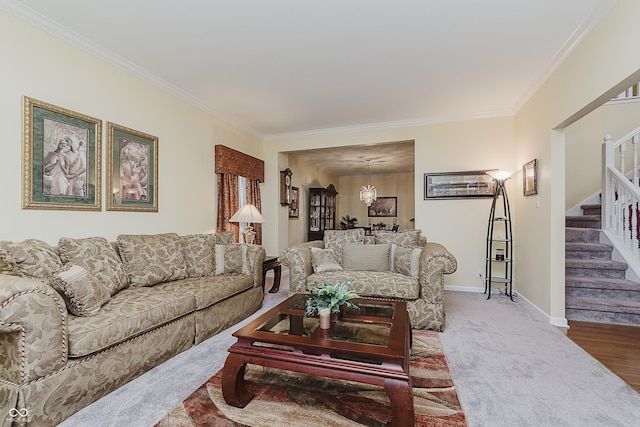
x: 250, y: 214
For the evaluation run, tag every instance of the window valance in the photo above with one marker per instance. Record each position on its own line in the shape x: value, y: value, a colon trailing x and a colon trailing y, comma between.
x: 230, y: 161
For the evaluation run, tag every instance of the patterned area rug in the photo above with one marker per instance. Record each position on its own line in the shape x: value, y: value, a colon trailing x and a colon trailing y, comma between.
x: 284, y: 398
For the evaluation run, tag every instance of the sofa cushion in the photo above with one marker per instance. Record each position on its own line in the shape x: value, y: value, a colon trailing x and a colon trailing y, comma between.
x: 210, y: 290
x: 98, y: 257
x: 152, y: 259
x: 324, y: 260
x: 365, y: 257
x: 405, y: 260
x: 31, y: 257
x: 408, y: 238
x: 336, y: 239
x: 131, y: 312
x: 231, y: 259
x: 224, y: 237
x: 381, y: 284
x: 83, y: 293
x: 197, y: 250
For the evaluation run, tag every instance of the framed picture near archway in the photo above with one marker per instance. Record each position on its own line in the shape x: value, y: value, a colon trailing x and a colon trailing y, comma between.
x: 294, y: 203
x: 62, y: 152
x: 132, y: 170
x: 530, y: 178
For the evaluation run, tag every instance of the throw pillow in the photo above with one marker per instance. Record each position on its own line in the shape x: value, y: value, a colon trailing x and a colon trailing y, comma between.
x: 365, y: 257
x: 98, y: 257
x: 31, y: 257
x: 225, y: 237
x: 405, y: 260
x: 408, y: 238
x: 197, y: 250
x: 324, y: 260
x: 83, y: 293
x: 336, y: 239
x: 231, y: 259
x: 152, y: 259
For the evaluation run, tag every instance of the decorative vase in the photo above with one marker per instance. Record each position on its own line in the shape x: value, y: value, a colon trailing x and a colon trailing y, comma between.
x: 326, y: 318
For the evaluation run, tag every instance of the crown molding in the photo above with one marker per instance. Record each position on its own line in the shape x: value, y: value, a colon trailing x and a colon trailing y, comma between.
x: 389, y: 125
x: 56, y: 29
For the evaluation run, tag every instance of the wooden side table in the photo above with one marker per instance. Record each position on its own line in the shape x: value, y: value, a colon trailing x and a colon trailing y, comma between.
x: 272, y: 263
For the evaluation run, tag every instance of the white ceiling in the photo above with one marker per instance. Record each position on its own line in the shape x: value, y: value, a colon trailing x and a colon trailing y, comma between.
x: 276, y: 67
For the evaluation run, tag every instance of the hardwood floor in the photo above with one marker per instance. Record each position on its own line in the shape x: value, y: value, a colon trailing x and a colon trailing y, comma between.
x: 616, y: 346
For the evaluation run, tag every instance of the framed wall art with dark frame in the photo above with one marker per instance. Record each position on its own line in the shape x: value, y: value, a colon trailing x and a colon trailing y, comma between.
x: 458, y: 185
x: 294, y: 205
x: 132, y: 170
x: 530, y: 178
x: 383, y: 207
x: 61, y: 154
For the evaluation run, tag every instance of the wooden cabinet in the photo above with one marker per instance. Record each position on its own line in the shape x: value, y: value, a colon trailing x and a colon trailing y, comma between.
x: 322, y: 211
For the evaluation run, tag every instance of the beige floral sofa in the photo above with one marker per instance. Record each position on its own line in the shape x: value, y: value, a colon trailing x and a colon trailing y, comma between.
x: 81, y: 319
x: 386, y: 265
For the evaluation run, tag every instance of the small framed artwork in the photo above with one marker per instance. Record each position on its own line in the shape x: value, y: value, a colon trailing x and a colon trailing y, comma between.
x: 294, y: 203
x: 61, y: 153
x: 132, y: 170
x: 530, y: 178
x: 384, y: 207
x: 458, y: 185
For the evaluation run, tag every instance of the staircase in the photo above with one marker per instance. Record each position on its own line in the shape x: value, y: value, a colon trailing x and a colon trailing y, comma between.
x: 595, y: 285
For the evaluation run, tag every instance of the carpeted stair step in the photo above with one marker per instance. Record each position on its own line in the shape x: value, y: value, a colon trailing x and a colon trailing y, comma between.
x: 579, y: 250
x: 595, y: 268
x: 616, y: 289
x: 602, y: 311
x: 591, y: 209
x: 581, y: 235
x: 583, y: 221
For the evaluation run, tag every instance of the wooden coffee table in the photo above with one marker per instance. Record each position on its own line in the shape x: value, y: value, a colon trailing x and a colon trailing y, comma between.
x: 370, y: 345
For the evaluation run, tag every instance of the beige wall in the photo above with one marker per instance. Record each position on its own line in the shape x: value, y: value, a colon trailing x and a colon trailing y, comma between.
x: 399, y: 185
x: 584, y: 141
x: 598, y: 68
x: 46, y: 68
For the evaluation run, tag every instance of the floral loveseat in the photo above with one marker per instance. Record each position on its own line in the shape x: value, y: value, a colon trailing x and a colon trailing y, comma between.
x: 81, y: 319
x: 386, y: 265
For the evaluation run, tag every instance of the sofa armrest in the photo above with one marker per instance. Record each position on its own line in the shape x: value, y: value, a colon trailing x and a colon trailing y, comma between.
x: 256, y: 256
x: 298, y: 259
x: 33, y: 329
x: 435, y: 262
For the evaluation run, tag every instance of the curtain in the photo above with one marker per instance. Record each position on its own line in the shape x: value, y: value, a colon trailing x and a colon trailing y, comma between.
x: 253, y: 197
x: 227, y: 203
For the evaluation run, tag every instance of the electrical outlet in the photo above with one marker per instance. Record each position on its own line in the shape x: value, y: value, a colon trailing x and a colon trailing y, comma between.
x: 480, y: 274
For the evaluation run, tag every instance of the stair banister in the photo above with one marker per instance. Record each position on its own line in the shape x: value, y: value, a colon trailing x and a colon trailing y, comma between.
x: 621, y: 197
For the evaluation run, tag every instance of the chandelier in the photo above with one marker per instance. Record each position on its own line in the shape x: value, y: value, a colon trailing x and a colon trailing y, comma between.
x: 368, y: 194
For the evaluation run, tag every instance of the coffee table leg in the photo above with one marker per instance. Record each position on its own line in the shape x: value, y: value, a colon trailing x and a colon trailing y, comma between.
x: 233, y: 389
x: 401, y: 396
x: 277, y: 271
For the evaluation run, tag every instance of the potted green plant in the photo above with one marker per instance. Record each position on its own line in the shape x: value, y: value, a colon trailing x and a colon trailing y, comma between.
x: 329, y: 296
x: 348, y: 222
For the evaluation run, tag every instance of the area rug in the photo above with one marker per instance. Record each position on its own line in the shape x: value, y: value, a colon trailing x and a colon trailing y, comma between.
x: 284, y: 398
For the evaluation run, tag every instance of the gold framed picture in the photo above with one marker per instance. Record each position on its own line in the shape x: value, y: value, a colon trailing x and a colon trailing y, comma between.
x: 132, y: 170
x: 61, y: 153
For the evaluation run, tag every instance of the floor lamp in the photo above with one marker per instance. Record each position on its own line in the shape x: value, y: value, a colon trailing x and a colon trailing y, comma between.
x: 251, y: 215
x: 499, y: 255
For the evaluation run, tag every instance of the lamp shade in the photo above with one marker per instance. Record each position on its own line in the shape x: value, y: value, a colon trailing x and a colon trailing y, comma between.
x: 500, y: 175
x: 247, y: 213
